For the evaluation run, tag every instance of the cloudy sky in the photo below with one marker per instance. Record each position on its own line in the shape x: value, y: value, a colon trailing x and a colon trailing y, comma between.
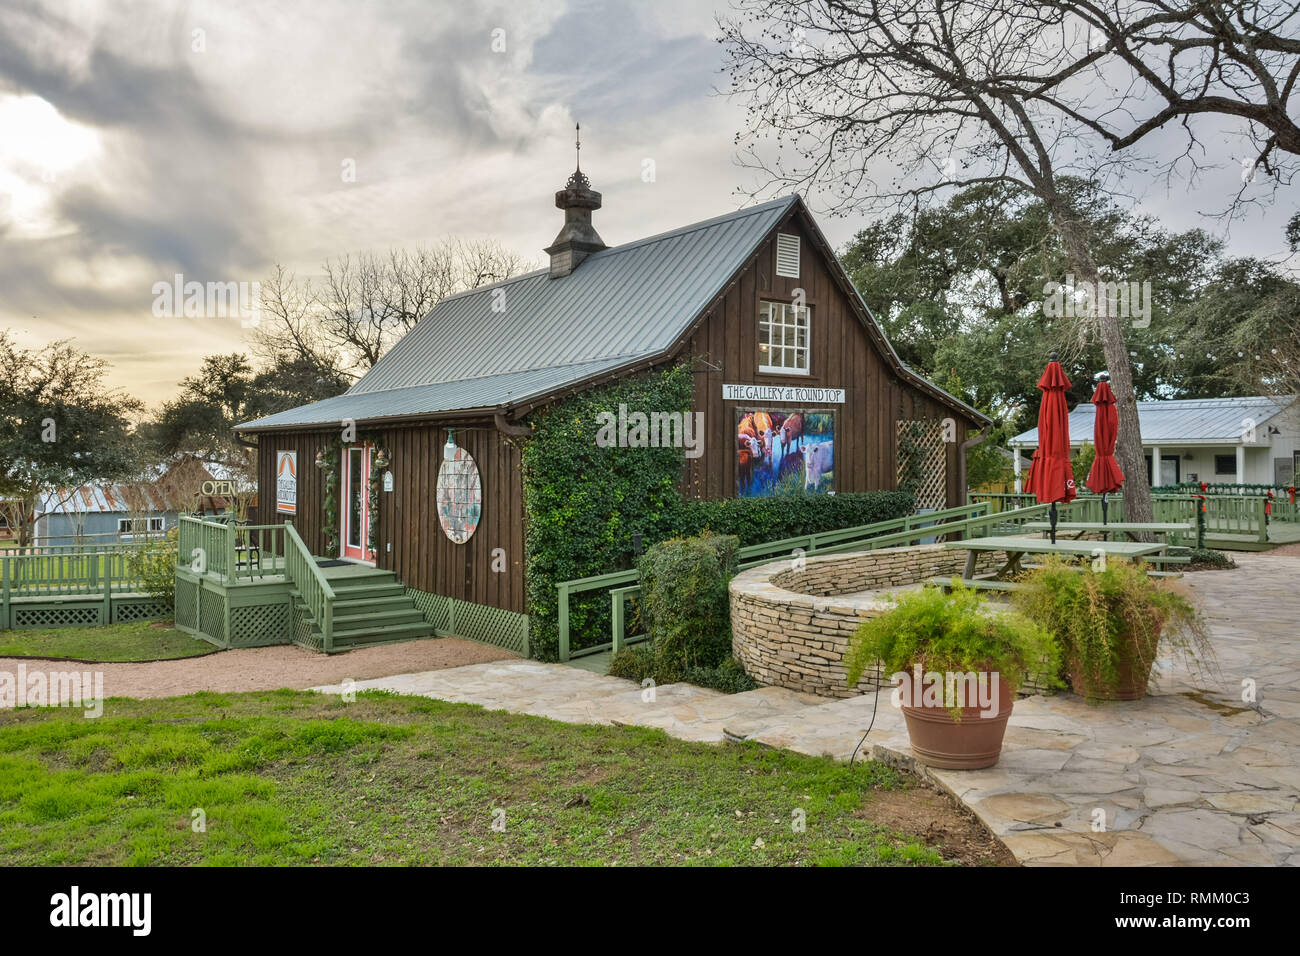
x: 214, y: 139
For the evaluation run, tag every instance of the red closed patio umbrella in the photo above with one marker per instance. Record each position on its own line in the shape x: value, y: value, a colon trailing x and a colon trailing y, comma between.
x: 1105, y: 477
x: 1051, y: 477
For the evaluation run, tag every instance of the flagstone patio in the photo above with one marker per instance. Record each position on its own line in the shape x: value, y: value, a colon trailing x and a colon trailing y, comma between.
x: 1192, y: 775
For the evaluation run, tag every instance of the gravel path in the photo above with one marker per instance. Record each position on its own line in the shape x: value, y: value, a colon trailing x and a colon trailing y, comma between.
x: 270, y: 668
x: 1284, y: 551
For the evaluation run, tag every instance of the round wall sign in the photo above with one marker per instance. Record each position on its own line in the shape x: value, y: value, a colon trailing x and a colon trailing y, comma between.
x: 460, y: 496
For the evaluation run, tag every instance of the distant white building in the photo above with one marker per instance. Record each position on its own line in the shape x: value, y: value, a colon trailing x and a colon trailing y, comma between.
x: 1253, y: 441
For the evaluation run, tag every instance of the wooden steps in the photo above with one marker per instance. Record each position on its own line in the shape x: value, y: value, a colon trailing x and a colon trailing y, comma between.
x: 370, y: 607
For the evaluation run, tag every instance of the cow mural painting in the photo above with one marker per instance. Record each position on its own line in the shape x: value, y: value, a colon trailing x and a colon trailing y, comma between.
x: 784, y: 452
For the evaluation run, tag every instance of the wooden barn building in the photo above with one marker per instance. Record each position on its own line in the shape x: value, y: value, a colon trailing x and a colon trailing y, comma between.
x: 755, y: 301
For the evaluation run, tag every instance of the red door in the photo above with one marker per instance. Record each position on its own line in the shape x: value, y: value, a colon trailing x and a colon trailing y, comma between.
x: 356, y: 502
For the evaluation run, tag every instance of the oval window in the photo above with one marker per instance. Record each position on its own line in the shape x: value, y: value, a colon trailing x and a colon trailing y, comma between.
x: 460, y: 497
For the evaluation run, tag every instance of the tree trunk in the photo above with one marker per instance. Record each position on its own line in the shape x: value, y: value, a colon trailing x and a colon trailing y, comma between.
x: 1110, y: 329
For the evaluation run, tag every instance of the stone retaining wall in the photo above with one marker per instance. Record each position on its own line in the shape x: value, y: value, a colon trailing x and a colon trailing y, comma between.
x: 790, y: 627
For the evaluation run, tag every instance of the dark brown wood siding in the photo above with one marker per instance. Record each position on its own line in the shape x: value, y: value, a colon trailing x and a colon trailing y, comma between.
x: 421, y: 555
x: 723, y: 349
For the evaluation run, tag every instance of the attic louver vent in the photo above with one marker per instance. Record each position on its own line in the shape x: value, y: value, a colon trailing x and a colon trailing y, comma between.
x: 787, y: 256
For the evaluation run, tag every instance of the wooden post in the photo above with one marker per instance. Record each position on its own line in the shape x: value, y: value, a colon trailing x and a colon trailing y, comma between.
x: 563, y: 597
x: 107, y: 612
x: 616, y: 619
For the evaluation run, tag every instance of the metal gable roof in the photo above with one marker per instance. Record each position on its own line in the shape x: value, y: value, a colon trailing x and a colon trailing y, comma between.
x: 529, y: 335
x: 1187, y: 421
x: 489, y: 348
x: 461, y: 394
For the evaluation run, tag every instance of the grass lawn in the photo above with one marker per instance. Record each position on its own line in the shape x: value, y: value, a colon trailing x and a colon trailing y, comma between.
x: 137, y: 641
x: 290, y: 777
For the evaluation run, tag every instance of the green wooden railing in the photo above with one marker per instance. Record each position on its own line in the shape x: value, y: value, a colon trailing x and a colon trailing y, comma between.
x: 84, y: 573
x: 301, y: 568
x: 1221, y: 488
x: 974, y: 520
x: 126, y: 547
x: 228, y: 550
x: 1223, y: 514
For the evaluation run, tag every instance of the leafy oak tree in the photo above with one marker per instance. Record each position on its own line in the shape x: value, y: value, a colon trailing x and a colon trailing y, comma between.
x: 61, y: 426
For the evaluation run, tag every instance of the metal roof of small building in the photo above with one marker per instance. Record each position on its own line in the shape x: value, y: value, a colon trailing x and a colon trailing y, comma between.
x: 106, y: 499
x: 499, y: 344
x: 1183, y: 421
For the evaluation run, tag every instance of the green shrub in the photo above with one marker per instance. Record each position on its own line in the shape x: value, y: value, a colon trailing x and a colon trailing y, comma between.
x: 1101, y: 618
x: 635, y: 663
x: 641, y: 662
x: 953, y: 633
x: 684, y: 599
x: 729, y: 677
x: 1209, y: 558
x: 155, y: 565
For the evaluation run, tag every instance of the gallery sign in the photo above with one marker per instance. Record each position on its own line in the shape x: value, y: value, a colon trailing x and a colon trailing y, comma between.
x: 286, y: 482
x: 783, y: 393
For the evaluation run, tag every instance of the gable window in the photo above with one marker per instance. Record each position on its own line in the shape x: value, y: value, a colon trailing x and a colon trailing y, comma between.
x: 787, y: 255
x: 1225, y: 464
x: 783, y: 338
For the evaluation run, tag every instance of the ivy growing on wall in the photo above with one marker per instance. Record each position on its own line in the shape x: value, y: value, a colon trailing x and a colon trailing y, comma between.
x: 583, y: 503
x: 911, y: 457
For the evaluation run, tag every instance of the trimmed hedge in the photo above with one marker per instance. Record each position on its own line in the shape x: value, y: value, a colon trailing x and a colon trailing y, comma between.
x: 758, y: 520
x: 583, y: 503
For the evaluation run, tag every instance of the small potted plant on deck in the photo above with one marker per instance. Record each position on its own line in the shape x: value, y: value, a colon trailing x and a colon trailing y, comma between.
x: 956, y: 664
x: 1110, y: 624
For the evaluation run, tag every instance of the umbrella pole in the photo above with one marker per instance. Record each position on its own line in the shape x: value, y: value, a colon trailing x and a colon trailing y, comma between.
x: 1106, y: 534
x: 1052, y: 513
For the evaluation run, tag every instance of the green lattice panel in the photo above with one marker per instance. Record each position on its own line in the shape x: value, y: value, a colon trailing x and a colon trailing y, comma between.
x: 492, y: 625
x: 57, y: 615
x: 212, y: 616
x: 258, y: 625
x: 436, y: 608
x: 146, y: 609
x: 303, y: 633
x: 187, y: 603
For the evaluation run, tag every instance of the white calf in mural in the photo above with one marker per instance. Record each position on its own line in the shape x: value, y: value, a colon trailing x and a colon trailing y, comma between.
x: 817, y: 460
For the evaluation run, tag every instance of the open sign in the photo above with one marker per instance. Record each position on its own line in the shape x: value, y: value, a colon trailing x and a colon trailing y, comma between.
x: 219, y: 489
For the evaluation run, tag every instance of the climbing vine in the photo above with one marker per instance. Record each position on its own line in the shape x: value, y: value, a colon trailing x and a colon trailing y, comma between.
x: 911, y: 457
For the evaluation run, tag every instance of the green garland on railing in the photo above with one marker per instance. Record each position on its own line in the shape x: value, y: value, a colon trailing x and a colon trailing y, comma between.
x: 377, y: 468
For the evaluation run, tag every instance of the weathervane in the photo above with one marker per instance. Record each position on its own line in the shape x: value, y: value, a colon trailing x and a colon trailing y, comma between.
x: 577, y: 142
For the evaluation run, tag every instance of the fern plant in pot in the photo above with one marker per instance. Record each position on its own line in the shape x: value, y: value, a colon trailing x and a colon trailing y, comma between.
x: 956, y: 664
x: 1110, y: 624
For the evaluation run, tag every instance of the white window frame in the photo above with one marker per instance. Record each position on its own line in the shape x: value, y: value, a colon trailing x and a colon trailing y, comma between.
x: 788, y: 317
x: 152, y: 525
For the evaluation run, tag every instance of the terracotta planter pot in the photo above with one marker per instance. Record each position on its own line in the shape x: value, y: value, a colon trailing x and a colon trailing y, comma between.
x: 1130, y: 682
x: 968, y: 743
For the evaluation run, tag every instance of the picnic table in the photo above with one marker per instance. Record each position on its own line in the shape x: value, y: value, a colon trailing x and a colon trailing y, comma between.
x: 1129, y: 528
x: 1016, y: 548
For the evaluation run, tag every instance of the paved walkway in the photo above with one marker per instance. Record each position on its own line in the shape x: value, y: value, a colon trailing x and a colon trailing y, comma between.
x: 1191, y: 775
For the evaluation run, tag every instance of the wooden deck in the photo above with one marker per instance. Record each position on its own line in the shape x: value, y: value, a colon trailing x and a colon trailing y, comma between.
x: 261, y: 606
